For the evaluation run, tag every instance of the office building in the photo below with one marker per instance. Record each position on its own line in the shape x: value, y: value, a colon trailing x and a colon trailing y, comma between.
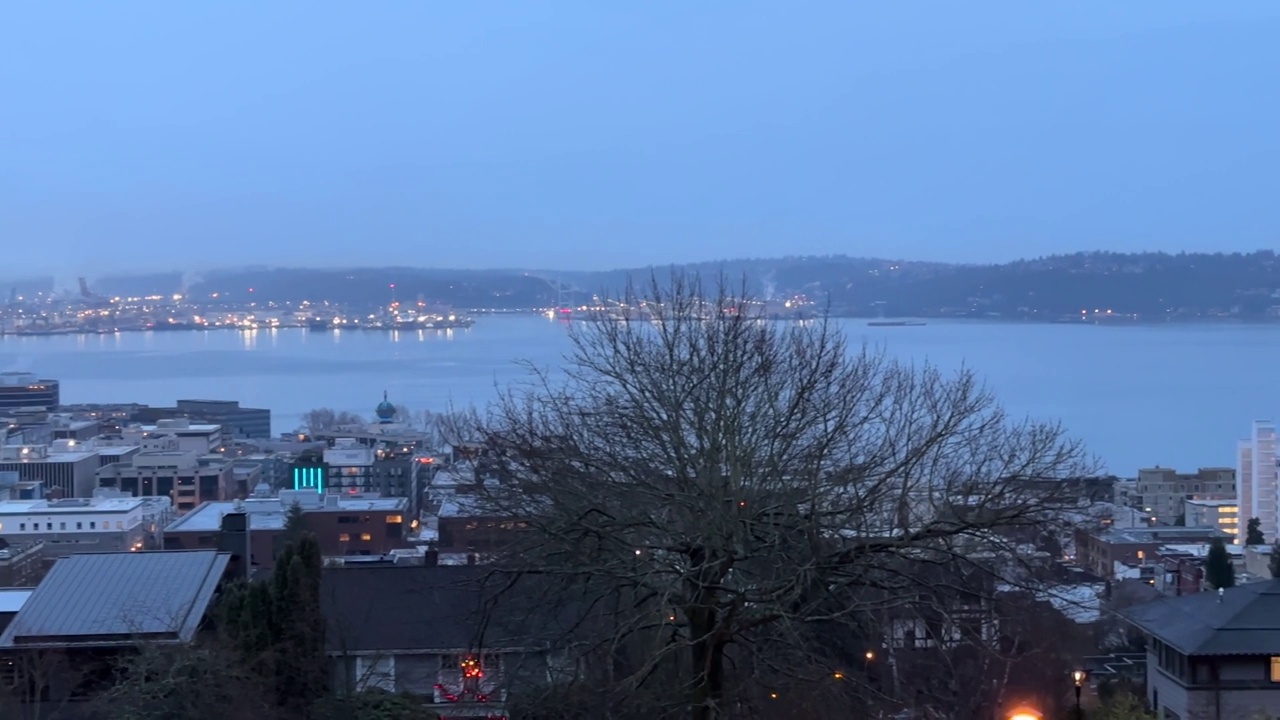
x: 1162, y: 492
x: 184, y: 477
x: 200, y: 438
x: 1258, y: 479
x: 104, y: 523
x: 20, y: 390
x: 236, y: 421
x: 65, y: 467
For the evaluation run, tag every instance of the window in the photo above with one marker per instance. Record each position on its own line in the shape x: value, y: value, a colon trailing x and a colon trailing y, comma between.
x: 93, y: 524
x: 22, y: 527
x: 366, y: 537
x: 1275, y: 669
x: 48, y: 526
x: 347, y: 519
x: 344, y: 537
x: 79, y: 525
x: 397, y: 519
x: 62, y: 526
x: 119, y: 525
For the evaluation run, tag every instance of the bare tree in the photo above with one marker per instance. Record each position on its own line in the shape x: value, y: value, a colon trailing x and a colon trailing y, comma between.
x: 725, y: 492
x: 320, y: 419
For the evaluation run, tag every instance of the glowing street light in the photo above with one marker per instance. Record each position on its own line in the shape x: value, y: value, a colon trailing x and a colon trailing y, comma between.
x: 1025, y: 713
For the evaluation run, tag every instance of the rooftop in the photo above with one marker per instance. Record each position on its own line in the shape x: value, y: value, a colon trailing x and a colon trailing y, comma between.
x: 70, y: 505
x: 155, y: 596
x: 1161, y: 533
x: 1244, y: 620
x: 1213, y: 503
x: 50, y: 457
x: 271, y: 513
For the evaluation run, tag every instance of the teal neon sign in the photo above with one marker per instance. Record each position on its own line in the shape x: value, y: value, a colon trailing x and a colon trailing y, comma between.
x: 309, y: 478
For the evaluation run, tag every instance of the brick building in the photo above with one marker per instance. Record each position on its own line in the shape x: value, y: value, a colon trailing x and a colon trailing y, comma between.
x: 343, y: 525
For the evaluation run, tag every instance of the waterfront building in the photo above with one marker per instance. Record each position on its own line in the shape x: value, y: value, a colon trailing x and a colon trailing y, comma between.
x: 1258, y: 479
x: 235, y: 421
x: 19, y: 390
x: 1163, y: 492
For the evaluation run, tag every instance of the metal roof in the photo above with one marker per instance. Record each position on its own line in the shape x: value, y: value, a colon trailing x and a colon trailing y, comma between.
x: 1244, y: 620
x: 119, y: 598
x: 12, y: 599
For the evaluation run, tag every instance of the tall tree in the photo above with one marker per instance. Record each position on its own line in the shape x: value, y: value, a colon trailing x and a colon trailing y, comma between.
x: 1253, y: 533
x: 277, y: 627
x: 1219, y: 572
x: 721, y: 482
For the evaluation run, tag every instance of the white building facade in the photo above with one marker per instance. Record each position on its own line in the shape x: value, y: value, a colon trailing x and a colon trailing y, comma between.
x: 1257, y: 479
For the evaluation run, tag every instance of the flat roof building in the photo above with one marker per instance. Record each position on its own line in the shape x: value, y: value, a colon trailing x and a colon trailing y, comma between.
x: 96, y: 524
x: 175, y: 474
x: 343, y: 524
x: 65, y: 467
x: 26, y: 390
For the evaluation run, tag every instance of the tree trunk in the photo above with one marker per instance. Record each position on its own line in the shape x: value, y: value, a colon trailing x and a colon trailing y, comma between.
x: 707, y: 658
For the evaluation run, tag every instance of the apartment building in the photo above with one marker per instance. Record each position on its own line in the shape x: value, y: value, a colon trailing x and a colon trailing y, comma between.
x: 1162, y: 492
x: 1258, y: 478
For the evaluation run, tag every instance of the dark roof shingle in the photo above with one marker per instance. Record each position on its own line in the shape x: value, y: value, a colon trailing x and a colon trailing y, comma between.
x: 421, y: 607
x: 1244, y: 620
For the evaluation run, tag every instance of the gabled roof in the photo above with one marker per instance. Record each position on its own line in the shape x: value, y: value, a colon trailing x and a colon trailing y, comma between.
x: 104, y: 599
x: 1244, y: 620
x: 391, y: 608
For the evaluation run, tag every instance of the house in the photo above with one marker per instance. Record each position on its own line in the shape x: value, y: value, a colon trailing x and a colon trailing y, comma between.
x: 93, y: 606
x: 432, y: 631
x: 1213, y: 655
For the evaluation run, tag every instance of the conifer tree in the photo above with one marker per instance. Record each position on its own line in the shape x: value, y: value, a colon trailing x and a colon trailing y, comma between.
x: 1218, y: 570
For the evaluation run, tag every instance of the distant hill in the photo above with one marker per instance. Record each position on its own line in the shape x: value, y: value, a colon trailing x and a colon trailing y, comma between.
x: 1146, y: 286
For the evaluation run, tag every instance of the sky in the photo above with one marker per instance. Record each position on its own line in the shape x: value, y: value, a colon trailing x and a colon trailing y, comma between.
x: 594, y: 135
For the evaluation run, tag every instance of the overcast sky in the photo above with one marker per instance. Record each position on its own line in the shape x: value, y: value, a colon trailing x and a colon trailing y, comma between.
x: 602, y: 134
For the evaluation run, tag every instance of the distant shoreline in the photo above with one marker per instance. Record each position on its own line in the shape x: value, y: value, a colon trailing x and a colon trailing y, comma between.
x: 908, y: 322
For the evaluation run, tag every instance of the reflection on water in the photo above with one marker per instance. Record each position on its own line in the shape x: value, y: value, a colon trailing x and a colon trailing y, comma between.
x: 1138, y: 396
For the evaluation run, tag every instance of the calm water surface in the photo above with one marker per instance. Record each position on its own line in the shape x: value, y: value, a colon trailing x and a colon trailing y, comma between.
x: 1138, y: 396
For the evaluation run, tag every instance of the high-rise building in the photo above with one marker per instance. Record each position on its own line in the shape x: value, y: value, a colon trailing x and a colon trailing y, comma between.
x: 24, y: 390
x: 1257, y: 479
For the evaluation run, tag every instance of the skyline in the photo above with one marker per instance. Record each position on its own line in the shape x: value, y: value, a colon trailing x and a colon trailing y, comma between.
x: 151, y: 137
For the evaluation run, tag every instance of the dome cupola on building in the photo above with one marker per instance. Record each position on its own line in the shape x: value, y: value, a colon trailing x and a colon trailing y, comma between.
x: 386, y: 411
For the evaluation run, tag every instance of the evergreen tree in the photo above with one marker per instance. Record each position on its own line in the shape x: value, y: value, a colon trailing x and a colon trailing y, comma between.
x: 277, y: 627
x: 1253, y: 534
x: 1275, y: 560
x: 1218, y: 570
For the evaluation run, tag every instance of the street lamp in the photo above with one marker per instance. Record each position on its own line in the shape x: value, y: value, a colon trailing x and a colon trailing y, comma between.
x: 1078, y: 676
